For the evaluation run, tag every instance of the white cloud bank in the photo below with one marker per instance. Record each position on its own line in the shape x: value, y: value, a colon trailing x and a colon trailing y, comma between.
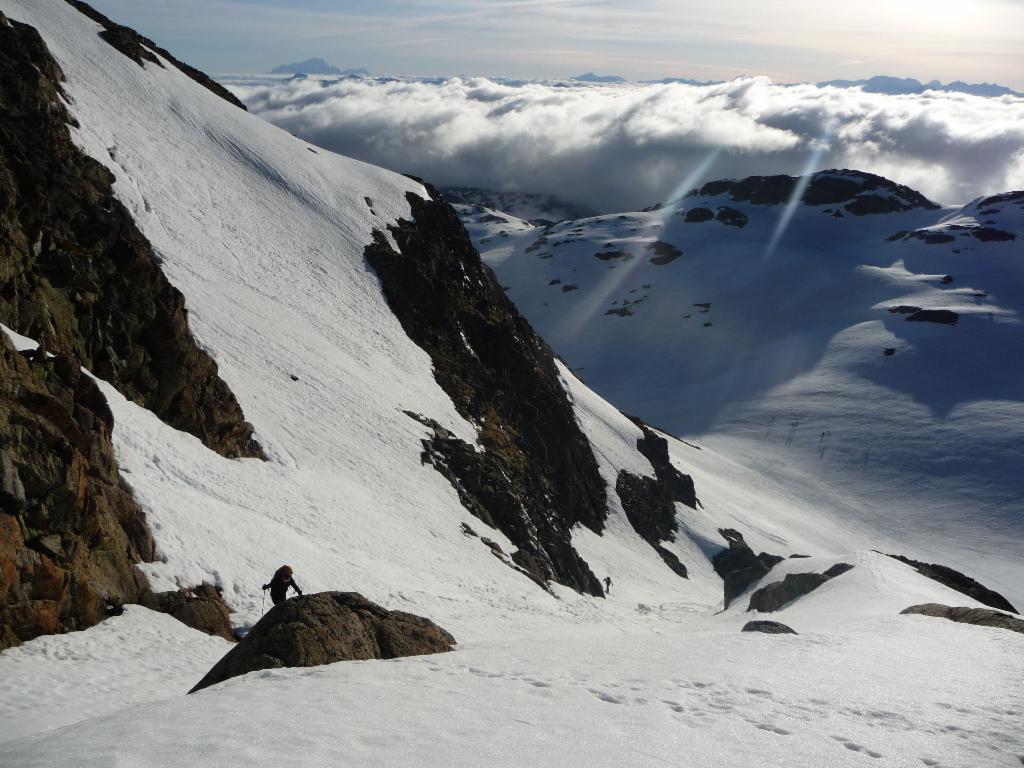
x: 621, y: 147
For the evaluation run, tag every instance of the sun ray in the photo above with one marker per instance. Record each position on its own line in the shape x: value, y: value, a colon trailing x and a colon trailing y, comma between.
x: 818, y: 149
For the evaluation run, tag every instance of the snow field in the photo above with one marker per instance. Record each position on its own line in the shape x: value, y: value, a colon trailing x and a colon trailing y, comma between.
x: 882, y: 692
x: 777, y: 359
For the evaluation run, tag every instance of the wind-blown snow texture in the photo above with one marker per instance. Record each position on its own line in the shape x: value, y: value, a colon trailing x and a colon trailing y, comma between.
x: 265, y: 239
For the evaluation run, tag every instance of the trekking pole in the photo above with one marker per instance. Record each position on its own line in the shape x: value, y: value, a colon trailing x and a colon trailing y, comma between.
x: 263, y: 606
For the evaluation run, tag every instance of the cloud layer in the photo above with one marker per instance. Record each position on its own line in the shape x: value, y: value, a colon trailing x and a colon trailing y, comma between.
x: 623, y: 147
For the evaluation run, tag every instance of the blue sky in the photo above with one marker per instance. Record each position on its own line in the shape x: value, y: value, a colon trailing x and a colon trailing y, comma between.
x: 787, y: 40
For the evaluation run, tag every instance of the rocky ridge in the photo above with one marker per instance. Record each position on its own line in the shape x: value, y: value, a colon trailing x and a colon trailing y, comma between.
x: 139, y: 49
x: 776, y: 595
x: 857, y: 192
x: 537, y: 475
x: 981, y: 617
x: 960, y: 582
x: 77, y: 275
x: 650, y: 503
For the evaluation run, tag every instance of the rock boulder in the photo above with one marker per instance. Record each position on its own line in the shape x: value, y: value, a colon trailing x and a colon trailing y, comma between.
x: 768, y: 628
x: 777, y: 594
x: 324, y: 628
x: 199, y: 607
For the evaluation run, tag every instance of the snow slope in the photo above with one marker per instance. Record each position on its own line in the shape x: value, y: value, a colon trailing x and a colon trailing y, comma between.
x: 769, y: 338
x: 264, y: 235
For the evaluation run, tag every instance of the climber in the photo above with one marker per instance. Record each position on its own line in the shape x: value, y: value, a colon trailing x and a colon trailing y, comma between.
x: 607, y: 585
x: 278, y: 585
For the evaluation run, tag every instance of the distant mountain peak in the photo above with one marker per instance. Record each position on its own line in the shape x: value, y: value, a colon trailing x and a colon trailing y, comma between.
x: 590, y: 77
x: 908, y: 85
x: 315, y: 66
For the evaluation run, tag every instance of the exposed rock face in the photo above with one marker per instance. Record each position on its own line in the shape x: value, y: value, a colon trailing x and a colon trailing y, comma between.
x: 77, y: 275
x: 768, y: 628
x: 738, y: 566
x: 75, y: 272
x: 838, y: 569
x: 960, y: 582
x: 918, y: 315
x: 664, y: 253
x: 862, y: 193
x: 981, y: 617
x: 139, y: 49
x: 933, y: 238
x: 777, y: 594
x: 1002, y: 199
x: 650, y: 502
x: 537, y: 476
x: 698, y: 215
x: 324, y: 628
x: 940, y: 316
x: 991, y: 235
x: 70, y: 531
x: 731, y: 217
x: 772, y: 597
x: 199, y: 607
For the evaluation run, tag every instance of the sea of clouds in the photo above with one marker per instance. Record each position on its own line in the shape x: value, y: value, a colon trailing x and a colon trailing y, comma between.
x: 623, y: 147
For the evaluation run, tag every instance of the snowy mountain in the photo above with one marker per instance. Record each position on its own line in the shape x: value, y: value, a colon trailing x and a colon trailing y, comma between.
x: 315, y: 66
x: 539, y: 209
x: 327, y: 375
x: 862, y: 340
x: 906, y: 85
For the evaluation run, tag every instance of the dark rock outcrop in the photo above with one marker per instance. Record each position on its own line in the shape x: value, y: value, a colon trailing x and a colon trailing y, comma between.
x: 838, y: 569
x: 70, y: 531
x: 731, y: 217
x: 664, y: 253
x: 918, y: 315
x: 862, y: 193
x: 537, y: 476
x: 991, y: 235
x: 768, y: 628
x: 672, y: 561
x: 199, y: 607
x: 932, y: 238
x: 958, y: 581
x: 78, y: 276
x: 1002, y: 199
x: 738, y: 566
x: 324, y: 628
x: 777, y: 594
x: 139, y: 49
x: 650, y: 502
x: 940, y: 316
x: 981, y: 617
x: 698, y: 215
x: 616, y: 254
